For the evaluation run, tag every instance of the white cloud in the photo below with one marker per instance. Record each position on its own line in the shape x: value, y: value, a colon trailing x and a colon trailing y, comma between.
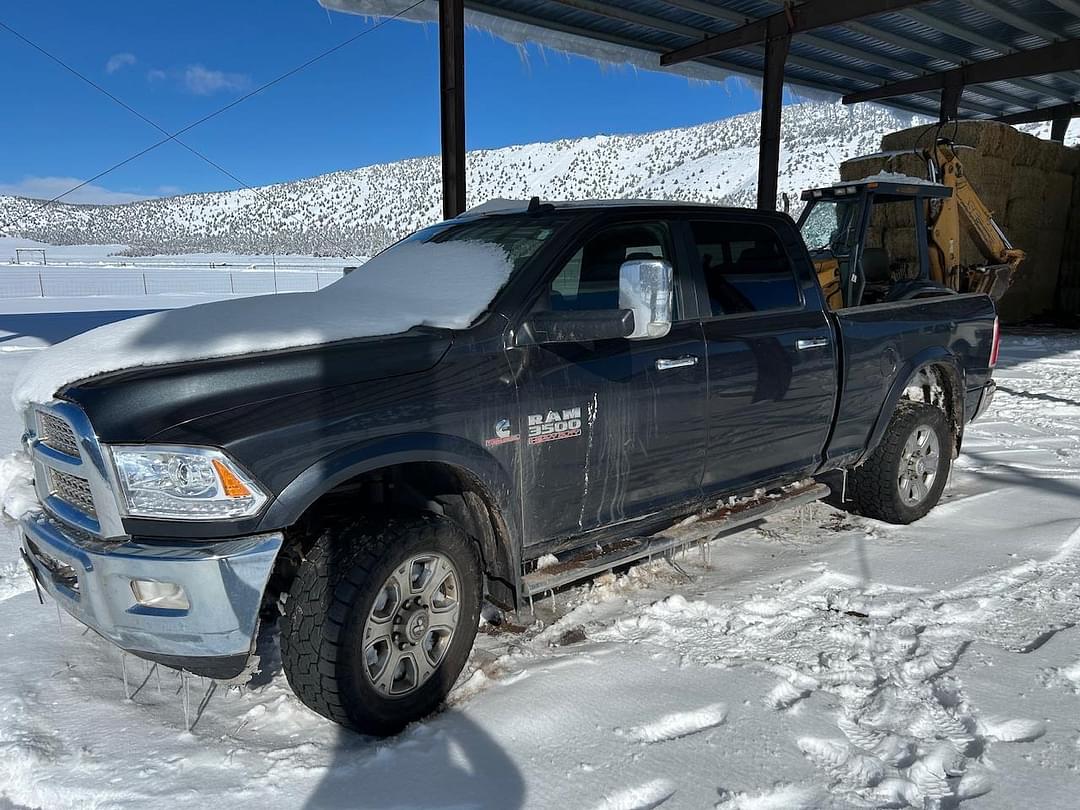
x: 119, y: 61
x: 45, y: 188
x: 202, y: 81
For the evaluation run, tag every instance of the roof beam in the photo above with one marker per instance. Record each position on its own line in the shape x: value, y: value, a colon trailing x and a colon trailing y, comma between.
x: 724, y: 14
x: 1018, y: 22
x: 1036, y: 62
x: 966, y: 34
x: 792, y: 20
x: 636, y: 18
x: 1068, y: 6
x: 934, y: 52
x: 1042, y: 114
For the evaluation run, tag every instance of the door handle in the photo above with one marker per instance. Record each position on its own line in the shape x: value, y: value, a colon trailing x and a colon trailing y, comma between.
x: 811, y: 343
x: 679, y: 362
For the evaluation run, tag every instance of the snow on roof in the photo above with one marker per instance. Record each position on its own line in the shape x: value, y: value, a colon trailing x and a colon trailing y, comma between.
x: 445, y: 284
x: 893, y: 177
x: 521, y: 33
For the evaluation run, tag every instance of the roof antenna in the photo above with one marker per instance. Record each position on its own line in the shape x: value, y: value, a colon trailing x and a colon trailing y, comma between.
x: 536, y: 207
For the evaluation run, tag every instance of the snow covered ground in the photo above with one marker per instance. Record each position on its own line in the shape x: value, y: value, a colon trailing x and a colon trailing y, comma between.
x: 823, y: 660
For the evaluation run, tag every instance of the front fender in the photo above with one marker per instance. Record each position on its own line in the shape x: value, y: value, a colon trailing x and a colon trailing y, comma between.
x: 933, y: 356
x: 335, y: 469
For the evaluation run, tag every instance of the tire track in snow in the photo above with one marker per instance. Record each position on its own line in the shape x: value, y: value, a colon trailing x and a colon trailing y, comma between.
x: 641, y: 797
x: 679, y: 724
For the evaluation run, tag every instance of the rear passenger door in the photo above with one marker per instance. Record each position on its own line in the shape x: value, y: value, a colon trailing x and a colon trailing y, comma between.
x: 771, y: 353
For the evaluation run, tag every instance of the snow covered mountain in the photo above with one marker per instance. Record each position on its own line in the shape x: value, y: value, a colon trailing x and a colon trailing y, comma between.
x: 361, y: 210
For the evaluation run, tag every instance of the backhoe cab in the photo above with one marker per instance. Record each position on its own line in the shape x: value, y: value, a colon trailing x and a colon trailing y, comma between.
x: 844, y: 226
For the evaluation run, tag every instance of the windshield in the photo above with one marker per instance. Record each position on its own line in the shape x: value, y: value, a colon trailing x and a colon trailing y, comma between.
x: 520, y: 237
x: 831, y: 225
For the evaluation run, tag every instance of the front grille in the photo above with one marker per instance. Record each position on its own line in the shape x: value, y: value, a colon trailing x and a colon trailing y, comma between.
x: 72, y: 489
x: 57, y: 434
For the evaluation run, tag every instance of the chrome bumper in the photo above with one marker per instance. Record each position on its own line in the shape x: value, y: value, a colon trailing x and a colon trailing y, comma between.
x: 223, y: 581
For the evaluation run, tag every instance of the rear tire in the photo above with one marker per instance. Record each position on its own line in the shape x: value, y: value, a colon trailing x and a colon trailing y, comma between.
x: 904, y: 476
x: 380, y: 621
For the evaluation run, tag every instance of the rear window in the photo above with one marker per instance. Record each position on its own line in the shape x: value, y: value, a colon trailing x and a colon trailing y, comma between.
x: 745, y: 267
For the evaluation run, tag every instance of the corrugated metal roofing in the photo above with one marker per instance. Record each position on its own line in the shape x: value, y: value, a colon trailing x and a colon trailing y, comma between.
x: 865, y: 53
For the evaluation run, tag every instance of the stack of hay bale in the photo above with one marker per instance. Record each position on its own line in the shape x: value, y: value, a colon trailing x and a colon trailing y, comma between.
x: 1068, y: 298
x: 1028, y: 184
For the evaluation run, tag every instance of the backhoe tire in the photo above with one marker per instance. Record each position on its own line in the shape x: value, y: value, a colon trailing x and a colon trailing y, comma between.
x: 906, y: 473
x: 380, y: 619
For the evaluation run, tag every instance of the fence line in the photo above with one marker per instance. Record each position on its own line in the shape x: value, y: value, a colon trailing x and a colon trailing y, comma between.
x: 60, y: 283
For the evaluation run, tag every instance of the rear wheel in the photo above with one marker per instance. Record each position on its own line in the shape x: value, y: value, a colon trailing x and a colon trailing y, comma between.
x: 380, y: 621
x: 906, y: 473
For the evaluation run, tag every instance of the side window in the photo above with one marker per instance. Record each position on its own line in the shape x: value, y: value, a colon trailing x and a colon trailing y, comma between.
x: 590, y: 279
x: 745, y: 267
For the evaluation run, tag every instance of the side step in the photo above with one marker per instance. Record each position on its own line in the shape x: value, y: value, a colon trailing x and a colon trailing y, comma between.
x: 590, y: 562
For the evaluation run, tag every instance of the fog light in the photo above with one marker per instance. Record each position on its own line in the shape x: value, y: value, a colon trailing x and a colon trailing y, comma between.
x: 167, y: 595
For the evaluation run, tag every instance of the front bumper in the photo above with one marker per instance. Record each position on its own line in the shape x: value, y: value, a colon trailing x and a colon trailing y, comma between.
x: 223, y: 581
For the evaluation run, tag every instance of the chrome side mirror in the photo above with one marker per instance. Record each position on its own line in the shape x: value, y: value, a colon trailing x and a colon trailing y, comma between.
x: 645, y: 288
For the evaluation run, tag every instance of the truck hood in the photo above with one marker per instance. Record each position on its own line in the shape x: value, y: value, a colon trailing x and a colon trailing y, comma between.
x: 138, y: 405
x: 412, y: 284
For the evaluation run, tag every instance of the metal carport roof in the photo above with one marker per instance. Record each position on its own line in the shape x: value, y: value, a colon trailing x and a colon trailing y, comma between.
x: 857, y: 55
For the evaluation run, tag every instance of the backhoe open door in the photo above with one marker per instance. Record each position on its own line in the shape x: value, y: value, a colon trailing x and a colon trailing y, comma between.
x: 844, y: 227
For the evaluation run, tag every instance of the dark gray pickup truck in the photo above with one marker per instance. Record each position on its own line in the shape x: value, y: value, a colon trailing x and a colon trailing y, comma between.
x: 630, y: 364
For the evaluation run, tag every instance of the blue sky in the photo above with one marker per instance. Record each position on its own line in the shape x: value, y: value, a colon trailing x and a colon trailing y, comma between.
x: 374, y: 101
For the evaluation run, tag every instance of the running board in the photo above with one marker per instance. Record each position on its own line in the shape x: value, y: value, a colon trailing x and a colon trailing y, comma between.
x: 590, y: 562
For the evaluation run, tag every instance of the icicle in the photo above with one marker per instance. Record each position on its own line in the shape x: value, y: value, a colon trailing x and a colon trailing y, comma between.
x: 123, y: 667
x: 205, y: 700
x: 158, y: 671
x: 187, y: 713
x: 843, y: 489
x: 59, y: 622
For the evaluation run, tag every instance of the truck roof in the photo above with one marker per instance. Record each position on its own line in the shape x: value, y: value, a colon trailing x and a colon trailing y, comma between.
x: 503, y: 206
x: 899, y: 186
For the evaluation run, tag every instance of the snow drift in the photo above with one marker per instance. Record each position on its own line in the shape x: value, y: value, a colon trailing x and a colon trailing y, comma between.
x: 413, y: 284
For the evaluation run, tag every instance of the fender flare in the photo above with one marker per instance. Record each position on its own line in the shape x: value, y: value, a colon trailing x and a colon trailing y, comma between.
x: 933, y: 356
x: 338, y: 467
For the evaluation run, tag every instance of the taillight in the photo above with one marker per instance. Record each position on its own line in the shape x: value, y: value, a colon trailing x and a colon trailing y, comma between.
x: 995, y: 342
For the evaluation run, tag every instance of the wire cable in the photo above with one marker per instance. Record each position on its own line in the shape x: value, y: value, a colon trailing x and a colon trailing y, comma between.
x: 175, y: 135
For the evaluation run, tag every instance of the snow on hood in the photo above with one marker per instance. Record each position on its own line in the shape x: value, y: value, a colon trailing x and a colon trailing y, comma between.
x: 446, y: 284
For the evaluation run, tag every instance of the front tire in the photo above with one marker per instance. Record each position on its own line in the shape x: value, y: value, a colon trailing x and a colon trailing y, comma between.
x: 380, y: 620
x: 904, y: 476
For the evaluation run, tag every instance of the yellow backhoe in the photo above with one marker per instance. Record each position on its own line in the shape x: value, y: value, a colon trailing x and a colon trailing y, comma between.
x: 843, y: 231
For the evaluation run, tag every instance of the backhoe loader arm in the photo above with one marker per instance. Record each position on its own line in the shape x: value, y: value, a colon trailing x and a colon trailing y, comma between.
x: 1002, y: 259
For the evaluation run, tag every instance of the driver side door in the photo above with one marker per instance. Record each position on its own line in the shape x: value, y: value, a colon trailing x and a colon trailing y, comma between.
x: 615, y: 428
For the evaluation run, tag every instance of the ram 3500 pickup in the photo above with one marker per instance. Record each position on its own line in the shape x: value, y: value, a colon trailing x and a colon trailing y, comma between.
x: 367, y: 464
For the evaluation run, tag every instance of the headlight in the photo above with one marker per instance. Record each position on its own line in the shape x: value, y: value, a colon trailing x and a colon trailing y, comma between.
x: 183, y: 483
